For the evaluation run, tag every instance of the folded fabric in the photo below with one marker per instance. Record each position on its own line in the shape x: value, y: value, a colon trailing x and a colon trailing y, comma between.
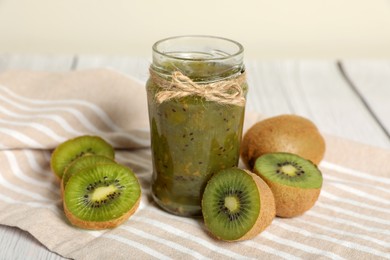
x: 40, y: 110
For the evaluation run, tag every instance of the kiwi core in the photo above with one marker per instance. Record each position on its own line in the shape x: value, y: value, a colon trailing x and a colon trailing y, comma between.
x: 289, y: 170
x: 102, y: 193
x: 232, y: 203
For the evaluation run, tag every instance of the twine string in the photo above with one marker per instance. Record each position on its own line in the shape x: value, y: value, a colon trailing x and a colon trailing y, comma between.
x: 228, y: 92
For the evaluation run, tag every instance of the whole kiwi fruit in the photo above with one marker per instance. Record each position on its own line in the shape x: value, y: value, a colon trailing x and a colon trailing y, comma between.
x: 284, y: 133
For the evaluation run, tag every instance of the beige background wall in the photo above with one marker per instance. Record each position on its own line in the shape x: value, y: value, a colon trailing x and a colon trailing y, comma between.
x: 268, y: 28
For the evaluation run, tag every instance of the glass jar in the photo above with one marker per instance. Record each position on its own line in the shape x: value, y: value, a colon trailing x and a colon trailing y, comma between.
x: 193, y: 136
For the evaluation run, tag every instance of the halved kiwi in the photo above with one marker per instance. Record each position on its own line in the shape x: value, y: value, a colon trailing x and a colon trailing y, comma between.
x: 75, y: 148
x: 294, y: 181
x: 237, y: 205
x: 101, y: 196
x: 81, y: 163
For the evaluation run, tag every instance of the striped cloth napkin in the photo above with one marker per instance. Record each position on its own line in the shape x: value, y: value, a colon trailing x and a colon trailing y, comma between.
x: 39, y: 110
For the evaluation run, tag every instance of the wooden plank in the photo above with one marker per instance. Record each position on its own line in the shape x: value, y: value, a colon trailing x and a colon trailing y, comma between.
x: 18, y: 244
x: 313, y: 89
x: 372, y: 82
x: 15, y: 243
x: 316, y: 90
x: 35, y: 62
x: 134, y: 66
x: 266, y: 93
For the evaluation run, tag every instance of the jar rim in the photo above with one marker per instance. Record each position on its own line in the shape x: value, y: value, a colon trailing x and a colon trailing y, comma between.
x: 238, y: 52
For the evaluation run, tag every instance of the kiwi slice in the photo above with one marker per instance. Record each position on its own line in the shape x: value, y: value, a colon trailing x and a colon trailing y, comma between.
x: 75, y: 148
x: 295, y: 182
x: 81, y: 163
x: 237, y: 205
x: 101, y: 196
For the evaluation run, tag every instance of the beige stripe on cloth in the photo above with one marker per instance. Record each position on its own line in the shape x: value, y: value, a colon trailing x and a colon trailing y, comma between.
x: 39, y: 110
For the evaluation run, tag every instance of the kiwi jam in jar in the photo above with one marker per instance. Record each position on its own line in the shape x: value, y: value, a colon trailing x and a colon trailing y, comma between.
x: 194, y: 135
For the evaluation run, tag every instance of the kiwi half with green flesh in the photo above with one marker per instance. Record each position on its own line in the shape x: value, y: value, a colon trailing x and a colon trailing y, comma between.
x: 81, y: 163
x: 72, y: 149
x: 237, y: 205
x: 102, y: 196
x: 295, y: 182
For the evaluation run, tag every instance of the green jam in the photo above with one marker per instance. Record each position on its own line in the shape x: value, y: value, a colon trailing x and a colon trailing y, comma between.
x: 191, y: 139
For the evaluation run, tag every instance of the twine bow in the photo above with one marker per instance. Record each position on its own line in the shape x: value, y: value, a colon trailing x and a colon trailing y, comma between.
x: 227, y: 92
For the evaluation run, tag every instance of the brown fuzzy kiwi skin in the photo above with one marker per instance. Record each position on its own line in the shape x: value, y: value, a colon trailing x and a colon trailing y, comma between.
x: 266, y: 214
x: 62, y: 187
x: 267, y: 209
x: 98, y: 225
x: 291, y: 201
x: 284, y: 133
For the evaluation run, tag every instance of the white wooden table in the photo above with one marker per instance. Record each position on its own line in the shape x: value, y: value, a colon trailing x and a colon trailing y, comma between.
x: 349, y: 99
